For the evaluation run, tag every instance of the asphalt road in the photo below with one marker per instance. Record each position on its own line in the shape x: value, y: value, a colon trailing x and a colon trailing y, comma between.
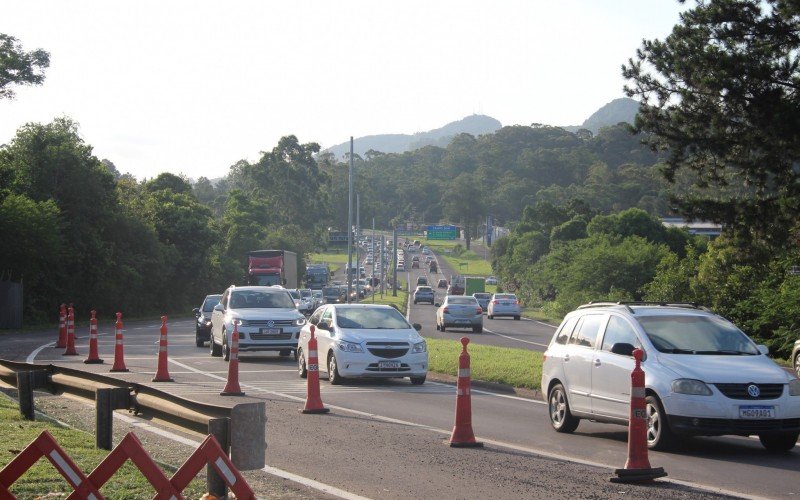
x: 388, y: 439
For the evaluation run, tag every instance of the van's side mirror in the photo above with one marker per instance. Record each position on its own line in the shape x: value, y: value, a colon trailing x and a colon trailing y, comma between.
x: 622, y: 349
x: 417, y: 326
x: 763, y: 349
x: 196, y: 312
x: 436, y: 304
x: 219, y: 307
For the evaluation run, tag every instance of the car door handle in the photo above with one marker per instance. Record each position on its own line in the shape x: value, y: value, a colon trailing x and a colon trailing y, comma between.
x: 566, y: 357
x: 597, y: 362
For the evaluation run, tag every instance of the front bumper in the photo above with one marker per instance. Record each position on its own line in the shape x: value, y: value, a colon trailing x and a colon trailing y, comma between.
x: 251, y: 341
x: 366, y: 365
x: 718, y: 415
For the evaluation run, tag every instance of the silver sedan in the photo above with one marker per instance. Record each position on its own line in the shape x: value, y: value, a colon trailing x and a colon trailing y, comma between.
x: 460, y: 311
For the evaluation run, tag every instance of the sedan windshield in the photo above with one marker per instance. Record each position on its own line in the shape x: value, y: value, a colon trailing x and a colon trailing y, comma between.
x: 696, y: 335
x: 210, y: 302
x: 251, y: 299
x: 370, y: 318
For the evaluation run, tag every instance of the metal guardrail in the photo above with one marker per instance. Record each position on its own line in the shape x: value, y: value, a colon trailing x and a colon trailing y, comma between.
x: 247, y: 448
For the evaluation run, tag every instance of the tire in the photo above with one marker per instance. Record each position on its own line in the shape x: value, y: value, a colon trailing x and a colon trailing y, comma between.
x: 333, y: 371
x: 561, y: 417
x: 415, y: 302
x: 199, y: 342
x: 516, y: 318
x: 477, y: 329
x: 214, y: 349
x: 437, y: 327
x: 779, y: 443
x: 490, y: 316
x: 659, y: 435
x: 284, y: 352
x: 442, y: 328
x: 302, y: 369
x: 418, y: 380
x: 226, y: 350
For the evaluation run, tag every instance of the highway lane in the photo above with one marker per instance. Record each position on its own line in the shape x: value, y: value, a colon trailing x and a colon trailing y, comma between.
x: 397, y: 430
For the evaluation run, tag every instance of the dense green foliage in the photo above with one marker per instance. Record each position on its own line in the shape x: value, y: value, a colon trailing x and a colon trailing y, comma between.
x: 18, y: 67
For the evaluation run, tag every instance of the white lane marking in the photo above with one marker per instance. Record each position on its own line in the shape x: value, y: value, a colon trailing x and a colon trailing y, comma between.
x: 514, y: 338
x: 313, y: 484
x: 33, y: 355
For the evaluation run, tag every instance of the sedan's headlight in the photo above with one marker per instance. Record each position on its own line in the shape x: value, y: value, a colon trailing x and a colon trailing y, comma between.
x: 349, y: 346
x: 690, y: 386
x: 420, y: 347
x: 299, y: 322
x: 794, y: 387
x: 240, y: 322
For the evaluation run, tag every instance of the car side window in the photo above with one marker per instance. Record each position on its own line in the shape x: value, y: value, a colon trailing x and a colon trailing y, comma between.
x: 565, y: 330
x: 314, y: 319
x: 586, y: 333
x: 224, y: 299
x: 619, y: 331
x: 325, y: 320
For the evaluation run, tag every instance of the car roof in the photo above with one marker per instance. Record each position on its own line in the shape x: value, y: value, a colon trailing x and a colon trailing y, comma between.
x: 361, y: 306
x: 650, y: 308
x: 270, y: 289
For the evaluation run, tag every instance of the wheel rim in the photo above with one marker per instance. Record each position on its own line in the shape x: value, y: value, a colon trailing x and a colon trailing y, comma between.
x: 301, y: 363
x: 558, y: 408
x: 653, y: 423
x: 797, y: 365
x: 332, y: 368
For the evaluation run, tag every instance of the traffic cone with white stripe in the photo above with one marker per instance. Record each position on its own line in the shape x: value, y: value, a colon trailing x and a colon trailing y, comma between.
x: 232, y: 386
x: 62, y: 327
x: 94, y: 357
x: 637, y: 467
x: 71, y: 351
x: 162, y: 374
x: 313, y: 399
x: 119, y: 352
x: 462, y: 436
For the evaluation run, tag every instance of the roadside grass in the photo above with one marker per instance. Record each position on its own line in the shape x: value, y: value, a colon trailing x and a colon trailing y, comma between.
x: 42, y: 479
x: 503, y: 365
x: 401, y: 301
x: 468, y: 263
x: 333, y: 259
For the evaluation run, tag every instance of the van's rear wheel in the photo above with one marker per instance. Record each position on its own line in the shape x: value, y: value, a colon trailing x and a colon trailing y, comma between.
x: 561, y: 417
x: 214, y: 349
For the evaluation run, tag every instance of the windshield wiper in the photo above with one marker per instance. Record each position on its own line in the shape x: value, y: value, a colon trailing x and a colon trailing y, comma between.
x: 678, y: 351
x: 723, y: 352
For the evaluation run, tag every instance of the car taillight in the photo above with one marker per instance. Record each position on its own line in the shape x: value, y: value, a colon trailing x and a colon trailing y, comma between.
x: 446, y: 311
x: 495, y: 302
x: 479, y: 311
x: 519, y: 303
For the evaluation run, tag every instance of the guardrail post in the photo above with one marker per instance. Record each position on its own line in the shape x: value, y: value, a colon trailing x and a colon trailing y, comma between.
x: 106, y: 401
x: 219, y: 428
x: 248, y: 436
x: 25, y: 386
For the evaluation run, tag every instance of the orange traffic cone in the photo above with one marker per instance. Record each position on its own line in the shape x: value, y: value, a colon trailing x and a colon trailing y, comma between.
x: 62, y: 327
x: 462, y: 436
x: 637, y: 467
x: 71, y: 351
x: 93, y: 358
x: 119, y: 354
x: 232, y: 386
x: 313, y: 399
x: 162, y: 374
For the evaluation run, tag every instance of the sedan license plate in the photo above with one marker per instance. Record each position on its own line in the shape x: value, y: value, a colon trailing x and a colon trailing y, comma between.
x: 271, y: 331
x: 388, y: 364
x: 756, y: 412
x: 462, y: 321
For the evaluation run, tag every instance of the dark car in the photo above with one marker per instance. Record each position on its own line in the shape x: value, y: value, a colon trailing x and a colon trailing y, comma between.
x: 203, y: 314
x: 442, y: 283
x: 424, y: 294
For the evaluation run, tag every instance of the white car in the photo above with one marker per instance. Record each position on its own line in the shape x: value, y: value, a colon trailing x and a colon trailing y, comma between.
x: 504, y: 304
x: 267, y: 317
x: 491, y: 280
x: 703, y: 376
x: 364, y: 341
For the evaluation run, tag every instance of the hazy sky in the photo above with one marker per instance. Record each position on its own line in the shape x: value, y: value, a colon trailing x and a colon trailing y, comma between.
x: 193, y: 86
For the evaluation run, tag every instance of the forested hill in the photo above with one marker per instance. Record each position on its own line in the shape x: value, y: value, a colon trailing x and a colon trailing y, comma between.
x: 618, y: 110
x: 398, y: 143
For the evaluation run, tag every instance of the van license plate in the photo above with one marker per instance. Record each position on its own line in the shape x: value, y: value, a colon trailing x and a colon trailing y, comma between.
x: 756, y: 412
x: 270, y: 331
x: 388, y: 364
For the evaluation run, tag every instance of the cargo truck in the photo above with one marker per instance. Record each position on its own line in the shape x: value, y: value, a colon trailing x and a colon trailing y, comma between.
x: 272, y: 267
x: 474, y: 285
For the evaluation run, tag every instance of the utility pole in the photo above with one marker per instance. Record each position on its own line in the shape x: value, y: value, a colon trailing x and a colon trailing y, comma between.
x: 372, y: 252
x: 348, y: 271
x: 394, y: 262
x: 358, y: 235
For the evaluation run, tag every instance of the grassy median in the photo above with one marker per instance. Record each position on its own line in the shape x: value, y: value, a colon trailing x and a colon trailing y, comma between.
x: 42, y: 480
x: 467, y: 263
